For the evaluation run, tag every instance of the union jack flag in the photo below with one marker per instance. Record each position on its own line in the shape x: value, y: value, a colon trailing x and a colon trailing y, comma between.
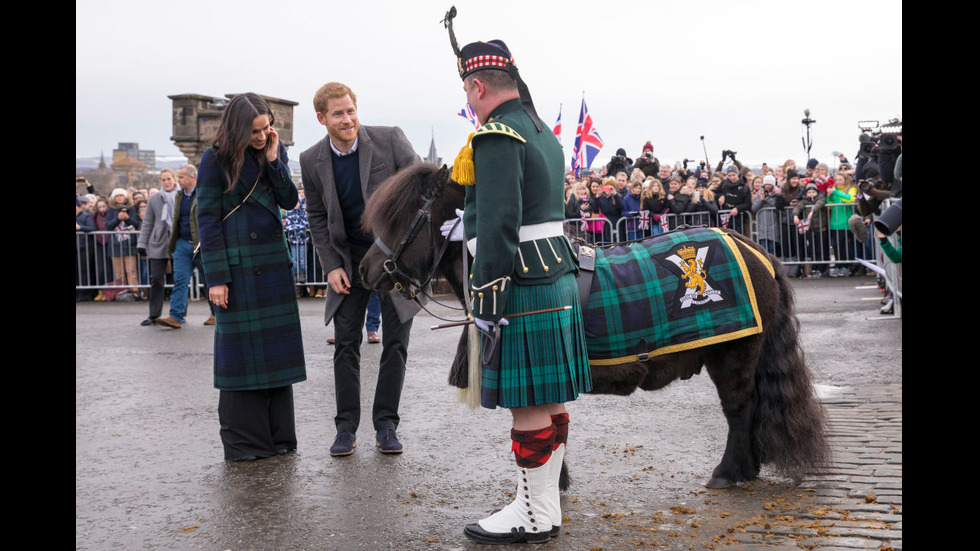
x: 724, y: 218
x: 557, y: 128
x: 644, y: 222
x: 664, y: 224
x: 804, y: 226
x: 587, y: 141
x: 468, y: 114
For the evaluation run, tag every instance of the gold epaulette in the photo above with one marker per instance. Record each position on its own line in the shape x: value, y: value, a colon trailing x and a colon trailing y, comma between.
x: 499, y: 128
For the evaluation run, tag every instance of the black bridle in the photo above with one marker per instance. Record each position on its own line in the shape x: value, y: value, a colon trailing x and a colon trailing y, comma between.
x: 404, y: 283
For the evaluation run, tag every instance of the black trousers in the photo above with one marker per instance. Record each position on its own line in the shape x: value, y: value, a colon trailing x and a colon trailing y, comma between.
x: 348, y: 333
x: 158, y: 281
x: 257, y: 423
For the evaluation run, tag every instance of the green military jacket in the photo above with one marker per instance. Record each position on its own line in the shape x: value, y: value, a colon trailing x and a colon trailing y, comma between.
x: 514, y: 211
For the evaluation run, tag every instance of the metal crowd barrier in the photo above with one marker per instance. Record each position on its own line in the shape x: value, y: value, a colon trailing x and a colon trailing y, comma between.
x: 815, y: 251
x: 94, y: 263
x: 812, y: 251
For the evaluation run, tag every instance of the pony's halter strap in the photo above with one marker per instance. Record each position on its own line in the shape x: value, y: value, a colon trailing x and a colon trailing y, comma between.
x: 404, y: 283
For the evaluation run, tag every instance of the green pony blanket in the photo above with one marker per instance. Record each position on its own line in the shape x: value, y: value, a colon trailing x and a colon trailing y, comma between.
x: 673, y: 292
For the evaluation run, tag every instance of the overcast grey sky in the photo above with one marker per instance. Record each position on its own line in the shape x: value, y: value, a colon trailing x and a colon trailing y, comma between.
x: 738, y: 73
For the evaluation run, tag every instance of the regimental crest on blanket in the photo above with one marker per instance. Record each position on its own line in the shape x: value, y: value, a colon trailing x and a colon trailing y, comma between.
x: 690, y: 262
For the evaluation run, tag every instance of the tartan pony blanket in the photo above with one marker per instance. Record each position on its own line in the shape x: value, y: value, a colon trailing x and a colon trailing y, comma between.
x: 676, y: 291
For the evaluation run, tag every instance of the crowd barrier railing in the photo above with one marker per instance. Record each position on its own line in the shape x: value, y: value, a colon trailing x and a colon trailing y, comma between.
x: 816, y: 248
x: 100, y: 254
x: 109, y: 260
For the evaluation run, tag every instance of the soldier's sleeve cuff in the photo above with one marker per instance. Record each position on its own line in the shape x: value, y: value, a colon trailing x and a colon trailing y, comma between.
x: 488, y: 299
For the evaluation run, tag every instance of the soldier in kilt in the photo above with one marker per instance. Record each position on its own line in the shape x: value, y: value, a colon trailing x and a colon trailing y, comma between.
x: 512, y: 222
x: 243, y: 180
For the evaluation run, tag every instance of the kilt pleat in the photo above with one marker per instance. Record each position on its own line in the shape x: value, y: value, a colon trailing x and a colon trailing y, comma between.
x: 543, y: 358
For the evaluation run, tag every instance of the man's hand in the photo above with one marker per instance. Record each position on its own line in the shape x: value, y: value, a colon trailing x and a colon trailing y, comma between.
x: 452, y: 229
x: 488, y: 326
x: 337, y: 278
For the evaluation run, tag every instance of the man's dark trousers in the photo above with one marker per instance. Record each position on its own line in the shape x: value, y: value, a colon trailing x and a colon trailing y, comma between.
x: 348, y: 333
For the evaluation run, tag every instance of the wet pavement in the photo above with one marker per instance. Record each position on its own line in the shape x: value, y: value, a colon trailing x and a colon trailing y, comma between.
x: 150, y: 474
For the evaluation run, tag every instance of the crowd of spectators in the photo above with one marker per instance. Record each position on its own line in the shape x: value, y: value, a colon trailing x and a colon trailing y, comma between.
x: 795, y: 213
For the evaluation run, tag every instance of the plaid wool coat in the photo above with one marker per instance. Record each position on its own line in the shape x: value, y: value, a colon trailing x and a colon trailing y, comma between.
x: 258, y: 340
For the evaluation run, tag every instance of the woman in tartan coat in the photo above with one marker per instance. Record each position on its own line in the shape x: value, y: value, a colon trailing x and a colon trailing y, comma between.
x: 258, y: 346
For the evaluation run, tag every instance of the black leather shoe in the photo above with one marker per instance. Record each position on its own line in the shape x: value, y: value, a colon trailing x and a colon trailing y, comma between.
x: 148, y: 321
x: 516, y: 535
x: 243, y: 458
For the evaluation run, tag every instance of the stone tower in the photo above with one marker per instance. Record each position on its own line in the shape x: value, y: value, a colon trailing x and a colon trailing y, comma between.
x: 196, y: 118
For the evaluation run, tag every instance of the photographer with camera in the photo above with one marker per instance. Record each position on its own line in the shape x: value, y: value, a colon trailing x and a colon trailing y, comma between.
x: 619, y: 163
x: 647, y: 163
x: 735, y: 194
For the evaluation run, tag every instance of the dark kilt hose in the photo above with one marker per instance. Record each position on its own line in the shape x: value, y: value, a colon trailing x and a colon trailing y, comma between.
x: 524, y: 263
x: 258, y: 345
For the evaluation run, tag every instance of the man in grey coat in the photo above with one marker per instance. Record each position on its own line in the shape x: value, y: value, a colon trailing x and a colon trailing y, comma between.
x: 340, y: 173
x: 152, y: 242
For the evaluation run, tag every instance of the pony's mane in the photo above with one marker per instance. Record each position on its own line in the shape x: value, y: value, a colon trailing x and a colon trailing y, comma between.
x: 397, y: 198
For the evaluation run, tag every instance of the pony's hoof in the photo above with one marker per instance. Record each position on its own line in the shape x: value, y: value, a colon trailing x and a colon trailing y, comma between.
x: 719, y: 482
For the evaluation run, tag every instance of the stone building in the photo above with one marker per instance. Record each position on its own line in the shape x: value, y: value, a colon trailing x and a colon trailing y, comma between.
x: 196, y: 118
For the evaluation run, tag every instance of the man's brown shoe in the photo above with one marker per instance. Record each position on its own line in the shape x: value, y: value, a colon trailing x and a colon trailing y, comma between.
x: 373, y: 337
x: 169, y: 322
x: 209, y: 321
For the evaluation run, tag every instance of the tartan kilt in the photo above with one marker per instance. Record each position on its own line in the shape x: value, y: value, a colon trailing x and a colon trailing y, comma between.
x: 543, y: 358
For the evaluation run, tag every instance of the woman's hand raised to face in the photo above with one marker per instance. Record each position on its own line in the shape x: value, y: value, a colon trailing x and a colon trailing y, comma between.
x: 272, y: 145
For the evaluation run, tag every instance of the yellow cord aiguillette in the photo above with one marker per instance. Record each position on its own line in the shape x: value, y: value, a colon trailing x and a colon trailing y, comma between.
x: 464, y: 173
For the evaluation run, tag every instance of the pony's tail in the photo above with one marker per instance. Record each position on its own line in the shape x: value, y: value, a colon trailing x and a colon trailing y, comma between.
x: 790, y: 422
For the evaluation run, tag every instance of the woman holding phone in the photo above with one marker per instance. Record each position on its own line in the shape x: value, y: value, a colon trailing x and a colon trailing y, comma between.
x: 243, y: 181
